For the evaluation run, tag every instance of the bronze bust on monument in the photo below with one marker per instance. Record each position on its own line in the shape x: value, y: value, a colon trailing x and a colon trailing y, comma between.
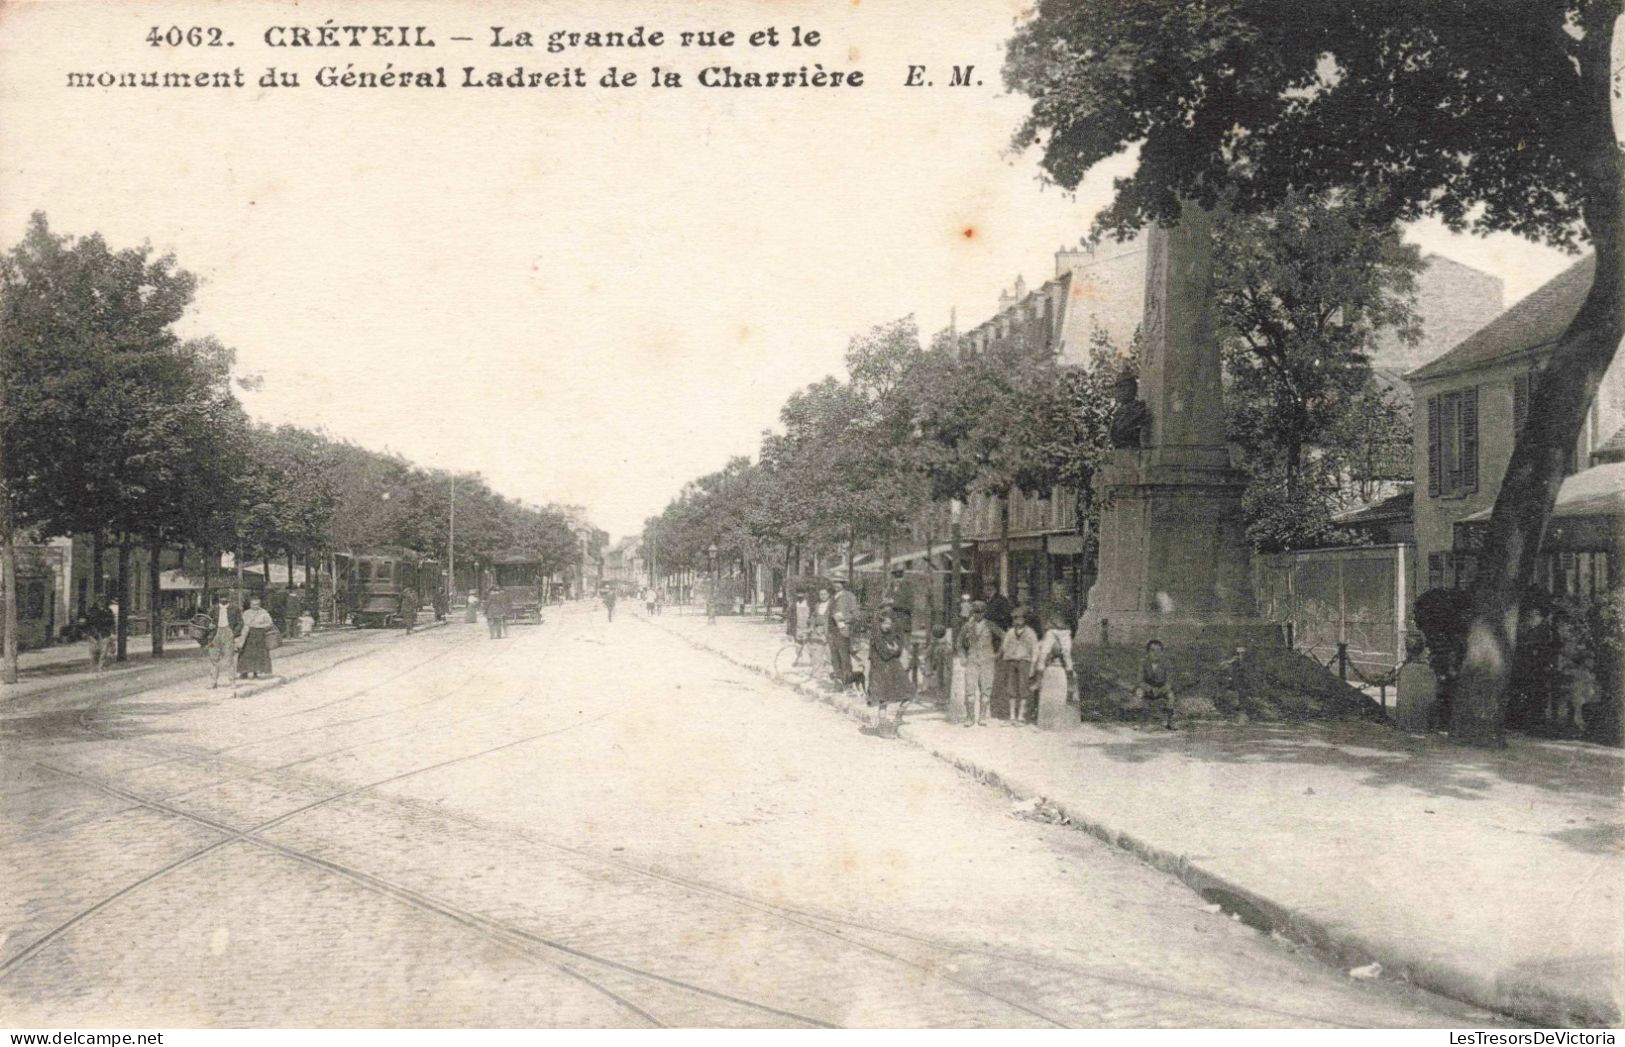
x: 1174, y: 560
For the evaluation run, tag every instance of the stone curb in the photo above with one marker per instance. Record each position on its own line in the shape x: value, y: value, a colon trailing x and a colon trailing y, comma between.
x: 252, y: 687
x: 1342, y: 945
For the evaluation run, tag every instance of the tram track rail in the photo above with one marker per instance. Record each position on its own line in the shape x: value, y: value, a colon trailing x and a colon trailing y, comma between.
x: 550, y: 951
x: 519, y: 939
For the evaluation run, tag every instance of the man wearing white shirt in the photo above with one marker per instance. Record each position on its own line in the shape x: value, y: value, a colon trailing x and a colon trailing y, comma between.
x: 222, y: 646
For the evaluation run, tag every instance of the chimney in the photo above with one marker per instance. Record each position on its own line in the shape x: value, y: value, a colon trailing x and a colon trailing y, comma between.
x: 1069, y: 258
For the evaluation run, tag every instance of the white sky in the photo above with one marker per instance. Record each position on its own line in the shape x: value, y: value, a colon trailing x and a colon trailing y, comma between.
x: 591, y: 297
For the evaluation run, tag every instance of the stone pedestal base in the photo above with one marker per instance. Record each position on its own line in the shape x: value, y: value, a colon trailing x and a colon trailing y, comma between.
x: 1174, y: 559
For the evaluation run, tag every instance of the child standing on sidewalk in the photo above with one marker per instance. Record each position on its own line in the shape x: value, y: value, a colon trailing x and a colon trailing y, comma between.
x: 938, y: 665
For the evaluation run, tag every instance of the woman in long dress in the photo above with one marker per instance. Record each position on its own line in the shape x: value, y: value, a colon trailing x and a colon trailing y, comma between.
x: 1053, y: 658
x: 888, y: 680
x: 956, y: 677
x: 254, y: 650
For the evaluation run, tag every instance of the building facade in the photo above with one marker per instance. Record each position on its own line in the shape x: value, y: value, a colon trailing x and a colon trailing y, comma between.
x: 1471, y: 403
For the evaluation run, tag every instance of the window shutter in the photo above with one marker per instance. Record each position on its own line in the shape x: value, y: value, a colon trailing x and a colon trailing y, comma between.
x: 1469, y: 439
x: 1450, y: 443
x: 1520, y: 401
x: 1433, y: 446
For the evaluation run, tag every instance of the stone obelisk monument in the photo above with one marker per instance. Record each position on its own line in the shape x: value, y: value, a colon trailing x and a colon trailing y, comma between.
x: 1174, y: 559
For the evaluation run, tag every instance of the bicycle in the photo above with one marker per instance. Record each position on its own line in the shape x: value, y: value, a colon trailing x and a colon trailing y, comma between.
x: 809, y: 656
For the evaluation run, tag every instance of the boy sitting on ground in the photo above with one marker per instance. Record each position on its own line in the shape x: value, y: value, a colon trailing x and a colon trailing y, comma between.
x: 1155, y: 688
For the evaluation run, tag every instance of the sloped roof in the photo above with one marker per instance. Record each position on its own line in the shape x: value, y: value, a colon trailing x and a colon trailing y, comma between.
x: 1539, y: 319
x: 1392, y: 385
x: 1598, y: 491
x: 1612, y: 451
x: 1394, y: 507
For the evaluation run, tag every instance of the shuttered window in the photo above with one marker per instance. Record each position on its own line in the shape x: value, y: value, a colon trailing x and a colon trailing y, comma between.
x: 1433, y: 446
x: 1453, y: 443
x: 1469, y: 439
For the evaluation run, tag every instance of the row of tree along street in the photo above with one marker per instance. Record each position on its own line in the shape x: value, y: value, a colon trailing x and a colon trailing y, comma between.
x: 1316, y: 132
x: 114, y: 426
x: 1304, y: 291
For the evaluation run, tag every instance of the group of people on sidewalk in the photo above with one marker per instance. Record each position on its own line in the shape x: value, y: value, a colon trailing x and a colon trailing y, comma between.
x: 1005, y: 652
x: 1000, y: 654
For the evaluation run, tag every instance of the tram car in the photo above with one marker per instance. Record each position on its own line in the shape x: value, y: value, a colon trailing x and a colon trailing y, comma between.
x: 384, y: 586
x: 36, y: 598
x: 522, y: 578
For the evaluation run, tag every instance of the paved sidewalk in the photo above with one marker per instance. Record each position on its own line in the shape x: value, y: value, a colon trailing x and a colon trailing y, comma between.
x: 65, y: 668
x: 1497, y: 878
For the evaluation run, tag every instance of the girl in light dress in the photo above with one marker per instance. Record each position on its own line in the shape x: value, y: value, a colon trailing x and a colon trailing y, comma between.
x: 1053, y: 659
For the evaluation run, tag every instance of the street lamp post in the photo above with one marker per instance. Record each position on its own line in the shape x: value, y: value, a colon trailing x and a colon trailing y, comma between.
x: 955, y: 509
x: 451, y: 545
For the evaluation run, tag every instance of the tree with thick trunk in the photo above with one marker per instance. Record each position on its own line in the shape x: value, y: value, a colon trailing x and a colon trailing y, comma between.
x: 1490, y: 115
x: 123, y: 625
x: 155, y: 553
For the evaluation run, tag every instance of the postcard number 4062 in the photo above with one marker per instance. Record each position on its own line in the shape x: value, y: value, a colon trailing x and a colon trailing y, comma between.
x: 195, y: 36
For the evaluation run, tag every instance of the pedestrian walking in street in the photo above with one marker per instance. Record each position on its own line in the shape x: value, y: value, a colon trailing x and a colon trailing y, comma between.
x: 843, y: 617
x: 609, y: 602
x: 254, y: 645
x: 1016, y: 666
x: 887, y: 678
x: 471, y: 610
x: 99, y: 626
x: 409, y: 609
x: 957, y: 676
x: 660, y: 600
x: 1156, y: 689
x: 226, y: 624
x: 649, y: 600
x: 496, y: 612
x: 978, y: 642
x: 292, y: 611
x: 1052, y: 660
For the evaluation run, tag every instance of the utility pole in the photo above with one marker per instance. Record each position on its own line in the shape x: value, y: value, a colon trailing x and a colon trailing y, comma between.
x: 8, y: 568
x: 451, y: 544
x: 955, y: 508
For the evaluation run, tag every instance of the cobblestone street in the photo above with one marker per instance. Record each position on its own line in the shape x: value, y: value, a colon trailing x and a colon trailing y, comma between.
x: 589, y: 823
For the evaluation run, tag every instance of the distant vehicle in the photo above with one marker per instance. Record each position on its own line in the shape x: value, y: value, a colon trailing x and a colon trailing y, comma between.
x: 521, y: 577
x: 36, y: 604
x: 378, y: 583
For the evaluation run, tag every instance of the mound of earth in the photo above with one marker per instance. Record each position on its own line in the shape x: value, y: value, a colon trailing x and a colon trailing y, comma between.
x: 1211, y: 681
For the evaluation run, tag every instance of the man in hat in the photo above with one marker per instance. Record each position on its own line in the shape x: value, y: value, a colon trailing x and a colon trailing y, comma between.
x: 843, y: 619
x: 496, y: 611
x: 997, y: 608
x: 226, y: 625
x: 99, y: 626
x: 979, y: 645
x: 409, y: 609
x: 901, y: 601
x: 292, y: 609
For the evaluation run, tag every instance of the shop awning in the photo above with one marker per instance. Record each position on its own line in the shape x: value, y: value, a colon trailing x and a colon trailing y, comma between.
x: 176, y: 580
